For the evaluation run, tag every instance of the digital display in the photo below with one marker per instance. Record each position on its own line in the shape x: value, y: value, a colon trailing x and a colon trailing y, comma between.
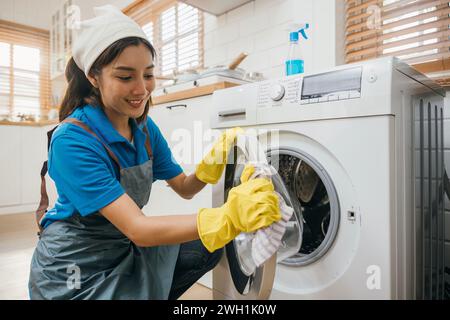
x: 319, y: 85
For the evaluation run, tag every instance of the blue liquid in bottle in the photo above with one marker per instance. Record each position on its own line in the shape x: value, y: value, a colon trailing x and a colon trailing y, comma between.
x: 294, y: 67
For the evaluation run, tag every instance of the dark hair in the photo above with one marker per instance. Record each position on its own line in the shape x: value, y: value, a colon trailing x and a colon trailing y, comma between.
x: 80, y: 91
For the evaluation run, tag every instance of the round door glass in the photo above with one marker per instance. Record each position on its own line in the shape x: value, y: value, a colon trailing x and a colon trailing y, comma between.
x: 309, y: 183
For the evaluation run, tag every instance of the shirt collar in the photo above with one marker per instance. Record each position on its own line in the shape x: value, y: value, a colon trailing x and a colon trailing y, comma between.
x: 100, y: 122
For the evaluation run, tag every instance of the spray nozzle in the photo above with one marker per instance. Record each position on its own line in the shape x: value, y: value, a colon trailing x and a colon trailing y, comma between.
x: 302, y: 30
x: 295, y: 29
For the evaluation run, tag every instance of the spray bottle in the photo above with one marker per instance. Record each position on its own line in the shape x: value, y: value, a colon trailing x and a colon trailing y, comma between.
x: 295, y: 63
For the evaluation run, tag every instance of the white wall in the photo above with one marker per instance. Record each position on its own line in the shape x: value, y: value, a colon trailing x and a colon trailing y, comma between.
x: 28, y: 12
x: 261, y: 29
x: 38, y: 13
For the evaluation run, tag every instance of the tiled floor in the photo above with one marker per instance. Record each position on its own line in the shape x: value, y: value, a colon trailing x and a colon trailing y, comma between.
x: 17, y: 241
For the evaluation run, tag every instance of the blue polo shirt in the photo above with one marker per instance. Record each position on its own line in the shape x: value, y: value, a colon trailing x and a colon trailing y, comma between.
x: 86, y: 178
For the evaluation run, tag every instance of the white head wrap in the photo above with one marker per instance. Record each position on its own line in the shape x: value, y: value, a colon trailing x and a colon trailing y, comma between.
x: 97, y: 34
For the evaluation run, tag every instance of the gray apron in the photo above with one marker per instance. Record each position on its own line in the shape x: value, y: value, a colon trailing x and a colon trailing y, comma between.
x: 89, y: 258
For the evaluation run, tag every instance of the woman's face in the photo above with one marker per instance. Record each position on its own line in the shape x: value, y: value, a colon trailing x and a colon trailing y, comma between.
x: 127, y: 82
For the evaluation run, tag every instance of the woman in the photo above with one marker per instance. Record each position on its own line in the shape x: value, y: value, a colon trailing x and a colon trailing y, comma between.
x: 96, y: 243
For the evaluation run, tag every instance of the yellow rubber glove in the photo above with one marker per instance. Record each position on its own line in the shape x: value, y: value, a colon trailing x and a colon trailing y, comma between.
x: 250, y: 206
x: 247, y: 172
x: 210, y: 169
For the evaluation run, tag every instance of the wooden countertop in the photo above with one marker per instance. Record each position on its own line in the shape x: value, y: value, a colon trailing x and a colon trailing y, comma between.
x: 40, y: 123
x: 192, y: 93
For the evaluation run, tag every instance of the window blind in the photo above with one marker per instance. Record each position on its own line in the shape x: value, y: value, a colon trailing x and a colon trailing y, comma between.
x: 24, y: 69
x: 175, y: 30
x: 416, y: 31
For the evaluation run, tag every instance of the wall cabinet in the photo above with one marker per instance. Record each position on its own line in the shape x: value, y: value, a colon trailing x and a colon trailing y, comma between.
x: 24, y: 149
x: 10, y: 170
x: 61, y: 36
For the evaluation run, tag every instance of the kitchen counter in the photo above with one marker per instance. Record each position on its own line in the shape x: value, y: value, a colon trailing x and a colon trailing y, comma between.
x: 191, y: 93
x: 192, y: 89
x: 45, y: 117
x: 28, y: 123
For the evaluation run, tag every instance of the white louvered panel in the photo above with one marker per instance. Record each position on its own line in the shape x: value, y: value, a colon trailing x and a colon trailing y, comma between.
x: 4, y: 54
x: 175, y: 30
x: 411, y: 45
x: 26, y: 58
x: 4, y: 105
x: 4, y: 80
x: 26, y: 78
x: 188, y: 52
x: 148, y: 30
x: 416, y: 31
x: 180, y: 27
x: 187, y: 18
x: 27, y: 61
x: 168, y: 58
x: 26, y: 83
x: 168, y: 24
x: 24, y: 104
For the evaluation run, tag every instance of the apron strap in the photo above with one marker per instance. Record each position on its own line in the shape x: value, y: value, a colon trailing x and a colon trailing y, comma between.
x: 148, y: 147
x: 43, y: 203
x: 85, y: 127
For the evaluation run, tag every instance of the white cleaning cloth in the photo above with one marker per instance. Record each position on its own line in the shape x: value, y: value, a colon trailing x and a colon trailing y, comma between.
x: 267, y: 240
x: 93, y: 36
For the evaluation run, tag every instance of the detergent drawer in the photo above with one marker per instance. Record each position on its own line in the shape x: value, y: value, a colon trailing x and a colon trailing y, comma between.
x: 234, y: 107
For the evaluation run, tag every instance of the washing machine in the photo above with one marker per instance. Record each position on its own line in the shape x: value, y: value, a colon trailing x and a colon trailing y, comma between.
x: 360, y: 149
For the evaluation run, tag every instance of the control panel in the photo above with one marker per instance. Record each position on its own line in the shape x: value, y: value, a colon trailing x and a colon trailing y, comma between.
x: 331, y: 86
x: 275, y: 93
x: 299, y: 90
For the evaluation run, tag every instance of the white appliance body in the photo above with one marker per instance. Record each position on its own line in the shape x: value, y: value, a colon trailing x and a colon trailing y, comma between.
x: 355, y: 126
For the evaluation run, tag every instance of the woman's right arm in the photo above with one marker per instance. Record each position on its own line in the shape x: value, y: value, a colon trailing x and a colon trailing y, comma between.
x: 250, y: 206
x: 150, y: 231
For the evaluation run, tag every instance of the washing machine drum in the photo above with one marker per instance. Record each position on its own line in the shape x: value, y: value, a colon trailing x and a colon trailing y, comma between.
x: 239, y: 251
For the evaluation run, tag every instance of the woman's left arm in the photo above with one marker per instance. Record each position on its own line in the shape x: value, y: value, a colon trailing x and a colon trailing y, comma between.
x: 186, y: 186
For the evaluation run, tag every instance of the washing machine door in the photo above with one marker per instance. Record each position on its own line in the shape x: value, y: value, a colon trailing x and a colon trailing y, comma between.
x: 237, y: 276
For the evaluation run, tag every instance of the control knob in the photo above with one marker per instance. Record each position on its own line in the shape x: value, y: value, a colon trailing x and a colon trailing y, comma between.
x: 277, y: 92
